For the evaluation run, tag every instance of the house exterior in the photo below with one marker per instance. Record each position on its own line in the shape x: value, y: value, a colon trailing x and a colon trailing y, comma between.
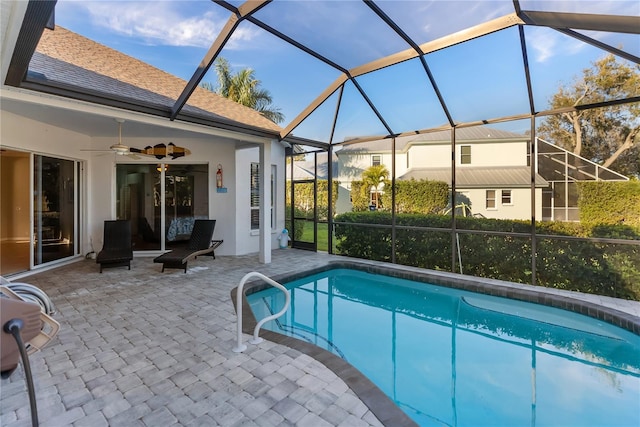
x: 58, y: 149
x: 73, y: 112
x: 492, y: 171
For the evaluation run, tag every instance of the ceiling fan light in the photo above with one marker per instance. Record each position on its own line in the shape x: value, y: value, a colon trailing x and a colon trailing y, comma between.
x: 120, y: 149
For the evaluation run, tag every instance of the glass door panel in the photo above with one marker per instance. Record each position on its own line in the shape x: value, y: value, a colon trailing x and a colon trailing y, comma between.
x: 15, y: 233
x: 54, y: 209
x: 138, y: 199
x: 186, y: 199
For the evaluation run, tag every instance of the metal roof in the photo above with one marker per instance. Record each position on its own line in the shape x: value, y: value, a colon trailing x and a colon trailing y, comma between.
x: 468, y: 177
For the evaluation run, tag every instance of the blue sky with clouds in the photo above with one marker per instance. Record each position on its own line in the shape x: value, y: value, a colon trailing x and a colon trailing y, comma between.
x: 175, y: 35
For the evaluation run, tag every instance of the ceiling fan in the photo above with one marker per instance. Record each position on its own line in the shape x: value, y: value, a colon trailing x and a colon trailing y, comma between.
x: 119, y: 148
x: 159, y: 151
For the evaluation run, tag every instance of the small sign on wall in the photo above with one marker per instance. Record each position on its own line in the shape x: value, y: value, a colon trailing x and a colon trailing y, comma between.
x: 221, y: 190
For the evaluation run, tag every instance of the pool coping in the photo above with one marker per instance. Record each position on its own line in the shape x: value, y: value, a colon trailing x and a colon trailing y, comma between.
x: 387, y: 412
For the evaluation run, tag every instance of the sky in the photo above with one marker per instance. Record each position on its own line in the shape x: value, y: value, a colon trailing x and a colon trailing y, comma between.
x: 486, y: 80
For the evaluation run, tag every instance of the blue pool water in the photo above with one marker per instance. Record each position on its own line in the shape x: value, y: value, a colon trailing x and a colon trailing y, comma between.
x: 457, y: 358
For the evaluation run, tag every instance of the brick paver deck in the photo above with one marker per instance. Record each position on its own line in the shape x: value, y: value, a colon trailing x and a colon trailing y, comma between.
x: 145, y: 348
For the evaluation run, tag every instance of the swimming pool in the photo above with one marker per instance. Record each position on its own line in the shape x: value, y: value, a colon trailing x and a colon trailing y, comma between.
x: 454, y: 357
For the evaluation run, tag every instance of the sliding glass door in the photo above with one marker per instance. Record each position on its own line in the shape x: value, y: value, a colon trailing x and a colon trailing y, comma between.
x: 15, y: 221
x: 54, y: 209
x: 162, y: 201
x: 186, y: 199
x: 138, y: 199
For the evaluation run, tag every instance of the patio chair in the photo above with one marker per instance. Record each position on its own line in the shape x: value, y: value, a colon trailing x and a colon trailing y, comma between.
x: 117, y: 249
x: 200, y: 243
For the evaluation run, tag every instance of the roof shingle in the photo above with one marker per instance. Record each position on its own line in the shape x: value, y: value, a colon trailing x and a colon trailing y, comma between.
x: 138, y: 77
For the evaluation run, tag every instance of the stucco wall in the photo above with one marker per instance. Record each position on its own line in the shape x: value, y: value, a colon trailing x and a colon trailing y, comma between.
x: 248, y: 240
x: 519, y: 208
x: 98, y: 191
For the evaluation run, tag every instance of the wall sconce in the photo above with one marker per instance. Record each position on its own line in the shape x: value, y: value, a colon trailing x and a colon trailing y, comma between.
x: 162, y: 167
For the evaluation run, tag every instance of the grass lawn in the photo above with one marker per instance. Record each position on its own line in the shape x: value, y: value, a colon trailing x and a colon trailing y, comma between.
x: 323, y: 235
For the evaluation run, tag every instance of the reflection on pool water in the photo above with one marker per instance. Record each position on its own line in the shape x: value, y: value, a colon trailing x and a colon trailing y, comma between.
x: 453, y: 357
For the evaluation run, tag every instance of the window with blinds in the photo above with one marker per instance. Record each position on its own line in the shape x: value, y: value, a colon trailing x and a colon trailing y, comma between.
x: 255, y: 196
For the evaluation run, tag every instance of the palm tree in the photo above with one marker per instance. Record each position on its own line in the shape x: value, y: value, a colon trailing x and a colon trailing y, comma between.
x: 372, y: 178
x: 244, y: 89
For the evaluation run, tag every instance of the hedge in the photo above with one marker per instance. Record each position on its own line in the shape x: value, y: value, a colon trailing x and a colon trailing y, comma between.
x: 412, y: 196
x: 609, y: 202
x: 586, y: 266
x: 421, y: 196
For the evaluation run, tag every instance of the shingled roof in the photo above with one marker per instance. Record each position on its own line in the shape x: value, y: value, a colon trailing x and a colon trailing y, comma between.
x: 99, y: 68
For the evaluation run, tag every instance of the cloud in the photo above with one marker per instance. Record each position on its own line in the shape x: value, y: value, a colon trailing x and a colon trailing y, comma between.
x: 544, y: 44
x: 195, y: 24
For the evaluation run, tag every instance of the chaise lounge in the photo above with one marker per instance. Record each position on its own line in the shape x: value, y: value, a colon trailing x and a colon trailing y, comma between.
x: 117, y: 249
x: 200, y: 243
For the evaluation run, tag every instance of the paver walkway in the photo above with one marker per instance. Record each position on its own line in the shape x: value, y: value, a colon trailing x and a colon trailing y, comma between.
x: 144, y: 348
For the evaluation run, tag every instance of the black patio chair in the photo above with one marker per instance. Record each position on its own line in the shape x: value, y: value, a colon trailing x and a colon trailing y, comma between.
x: 117, y: 249
x: 200, y: 243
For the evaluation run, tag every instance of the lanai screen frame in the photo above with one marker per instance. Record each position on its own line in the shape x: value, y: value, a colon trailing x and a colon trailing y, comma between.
x: 39, y: 15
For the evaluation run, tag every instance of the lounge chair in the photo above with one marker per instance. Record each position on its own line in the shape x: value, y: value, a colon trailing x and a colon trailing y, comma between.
x: 200, y: 243
x: 117, y: 249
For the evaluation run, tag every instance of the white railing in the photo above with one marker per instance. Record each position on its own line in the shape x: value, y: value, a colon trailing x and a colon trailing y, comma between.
x: 240, y: 347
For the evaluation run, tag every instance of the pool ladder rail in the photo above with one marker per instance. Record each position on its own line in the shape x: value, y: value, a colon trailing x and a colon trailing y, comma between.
x: 240, y: 347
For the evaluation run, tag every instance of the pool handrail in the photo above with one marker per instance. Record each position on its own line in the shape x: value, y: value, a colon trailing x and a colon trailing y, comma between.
x: 240, y: 347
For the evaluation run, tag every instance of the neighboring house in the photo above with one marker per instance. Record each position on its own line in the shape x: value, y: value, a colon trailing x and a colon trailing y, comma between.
x: 492, y: 171
x: 59, y: 149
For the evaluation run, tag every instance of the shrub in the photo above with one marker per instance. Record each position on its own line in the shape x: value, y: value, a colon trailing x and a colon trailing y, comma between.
x: 418, y: 196
x: 586, y: 266
x: 609, y: 202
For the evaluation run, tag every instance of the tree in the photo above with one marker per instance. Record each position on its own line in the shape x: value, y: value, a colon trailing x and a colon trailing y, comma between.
x: 372, y: 178
x: 609, y: 136
x: 243, y: 88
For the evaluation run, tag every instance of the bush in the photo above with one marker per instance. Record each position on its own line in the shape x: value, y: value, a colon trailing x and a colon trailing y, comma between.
x: 411, y: 196
x: 609, y: 202
x: 418, y: 196
x: 586, y: 266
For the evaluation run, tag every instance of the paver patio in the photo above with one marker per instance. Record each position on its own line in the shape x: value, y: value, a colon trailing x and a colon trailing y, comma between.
x: 145, y: 348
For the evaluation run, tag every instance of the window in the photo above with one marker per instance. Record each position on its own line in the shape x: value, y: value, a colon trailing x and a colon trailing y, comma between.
x: 491, y: 199
x: 255, y: 196
x: 506, y: 197
x: 465, y: 154
x: 375, y: 199
x: 273, y: 196
x: 375, y: 160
